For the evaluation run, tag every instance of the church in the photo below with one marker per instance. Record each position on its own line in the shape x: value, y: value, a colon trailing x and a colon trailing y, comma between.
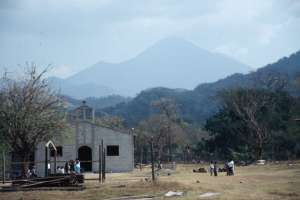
x: 81, y: 140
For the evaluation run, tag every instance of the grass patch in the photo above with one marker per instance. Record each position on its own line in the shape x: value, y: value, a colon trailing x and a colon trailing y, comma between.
x: 274, y: 182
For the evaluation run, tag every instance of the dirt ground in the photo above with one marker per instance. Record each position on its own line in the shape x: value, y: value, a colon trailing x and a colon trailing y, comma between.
x: 273, y: 181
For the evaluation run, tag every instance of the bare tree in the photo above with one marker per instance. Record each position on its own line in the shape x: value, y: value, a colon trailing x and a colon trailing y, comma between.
x: 168, y: 111
x: 30, y: 112
x: 156, y: 127
x: 254, y: 108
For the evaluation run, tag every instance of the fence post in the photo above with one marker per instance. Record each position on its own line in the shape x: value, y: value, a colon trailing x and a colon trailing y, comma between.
x: 46, y: 161
x: 3, y: 167
x: 55, y: 158
x: 104, y: 166
x: 141, y: 158
x: 100, y: 162
x: 152, y: 160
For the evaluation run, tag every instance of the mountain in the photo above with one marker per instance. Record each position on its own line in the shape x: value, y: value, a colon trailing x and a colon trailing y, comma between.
x: 196, y: 105
x: 172, y: 63
x: 79, y: 90
x: 95, y: 102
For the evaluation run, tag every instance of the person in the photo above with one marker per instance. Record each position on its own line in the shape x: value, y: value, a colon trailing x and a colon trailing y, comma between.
x: 77, y: 160
x: 49, y: 169
x: 58, y: 170
x: 77, y: 167
x: 211, y: 168
x: 227, y: 168
x: 28, y: 173
x: 215, y: 169
x: 33, y: 172
x: 62, y: 169
x: 159, y: 166
x: 231, y: 168
x: 67, y: 167
x: 72, y: 169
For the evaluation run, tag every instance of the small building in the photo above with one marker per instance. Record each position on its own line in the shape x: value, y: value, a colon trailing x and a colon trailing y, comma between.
x: 81, y: 141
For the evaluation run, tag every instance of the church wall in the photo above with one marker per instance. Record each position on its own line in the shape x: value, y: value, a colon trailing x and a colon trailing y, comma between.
x: 87, y: 134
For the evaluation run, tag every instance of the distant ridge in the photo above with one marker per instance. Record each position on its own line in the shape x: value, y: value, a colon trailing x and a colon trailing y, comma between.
x: 171, y: 62
x: 196, y: 105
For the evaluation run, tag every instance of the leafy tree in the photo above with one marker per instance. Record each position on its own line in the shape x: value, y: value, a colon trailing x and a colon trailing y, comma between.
x: 30, y: 112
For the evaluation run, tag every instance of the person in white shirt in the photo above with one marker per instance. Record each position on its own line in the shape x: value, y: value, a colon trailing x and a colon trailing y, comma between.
x: 211, y: 168
x: 231, y: 168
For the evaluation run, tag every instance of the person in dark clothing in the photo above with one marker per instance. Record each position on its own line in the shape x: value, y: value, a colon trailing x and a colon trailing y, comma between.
x: 72, y: 166
x: 227, y: 168
x: 67, y: 167
x: 215, y: 169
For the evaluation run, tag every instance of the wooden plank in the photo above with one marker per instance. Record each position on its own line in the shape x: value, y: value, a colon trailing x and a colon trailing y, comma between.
x: 41, y: 183
x: 65, y: 188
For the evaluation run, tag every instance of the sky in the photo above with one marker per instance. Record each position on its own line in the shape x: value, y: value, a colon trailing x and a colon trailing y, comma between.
x: 71, y: 35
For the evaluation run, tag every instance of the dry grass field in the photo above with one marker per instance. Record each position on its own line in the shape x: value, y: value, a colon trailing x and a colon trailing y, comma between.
x: 277, y: 181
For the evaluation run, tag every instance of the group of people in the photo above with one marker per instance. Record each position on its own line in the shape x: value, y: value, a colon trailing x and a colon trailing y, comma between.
x: 71, y: 167
x: 31, y: 172
x: 229, y: 168
x: 213, y: 168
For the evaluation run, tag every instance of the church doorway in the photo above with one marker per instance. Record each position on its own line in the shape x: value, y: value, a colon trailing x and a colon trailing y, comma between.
x: 85, y: 158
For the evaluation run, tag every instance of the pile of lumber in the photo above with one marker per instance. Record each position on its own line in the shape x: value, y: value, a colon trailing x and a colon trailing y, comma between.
x: 68, y: 180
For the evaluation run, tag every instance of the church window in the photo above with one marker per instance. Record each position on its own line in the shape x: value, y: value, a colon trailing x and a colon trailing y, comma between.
x: 112, y: 150
x: 59, y: 151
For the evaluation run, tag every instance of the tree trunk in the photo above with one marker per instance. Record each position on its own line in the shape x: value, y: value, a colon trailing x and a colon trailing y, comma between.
x: 169, y: 149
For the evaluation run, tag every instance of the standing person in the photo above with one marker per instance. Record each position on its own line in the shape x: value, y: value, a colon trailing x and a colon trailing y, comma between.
x: 72, y: 169
x: 33, y: 172
x: 227, y: 169
x: 231, y: 168
x: 215, y: 169
x: 77, y: 167
x: 159, y: 165
x: 67, y: 167
x: 77, y: 161
x: 49, y: 169
x: 211, y: 168
x: 28, y: 174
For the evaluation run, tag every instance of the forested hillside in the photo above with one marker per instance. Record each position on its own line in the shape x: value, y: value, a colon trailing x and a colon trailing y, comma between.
x: 195, y: 106
x: 96, y: 103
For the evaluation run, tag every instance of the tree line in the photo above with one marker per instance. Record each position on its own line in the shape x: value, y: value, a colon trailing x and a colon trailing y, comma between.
x: 251, y: 124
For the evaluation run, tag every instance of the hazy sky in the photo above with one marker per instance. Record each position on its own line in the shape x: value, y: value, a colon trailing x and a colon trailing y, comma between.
x: 74, y: 34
